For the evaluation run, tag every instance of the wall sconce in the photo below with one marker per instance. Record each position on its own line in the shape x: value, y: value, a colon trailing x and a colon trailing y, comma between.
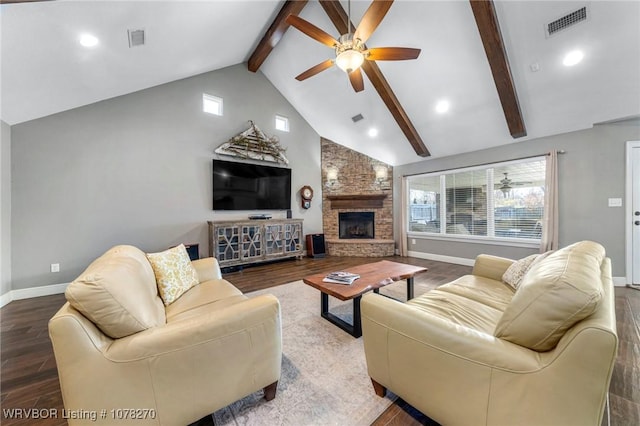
x: 332, y: 177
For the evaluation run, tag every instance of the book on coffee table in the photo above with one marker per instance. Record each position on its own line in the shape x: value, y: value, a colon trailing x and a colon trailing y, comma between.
x: 341, y: 278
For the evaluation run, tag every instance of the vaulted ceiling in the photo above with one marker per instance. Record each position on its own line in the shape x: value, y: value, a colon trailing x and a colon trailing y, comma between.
x: 45, y: 70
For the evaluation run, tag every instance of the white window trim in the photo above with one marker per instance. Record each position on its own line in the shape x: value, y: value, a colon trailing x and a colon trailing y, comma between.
x: 476, y: 239
x: 490, y: 238
x: 211, y: 98
x: 283, y: 119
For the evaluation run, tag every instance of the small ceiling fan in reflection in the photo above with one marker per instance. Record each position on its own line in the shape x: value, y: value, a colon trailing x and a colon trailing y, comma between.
x: 507, y: 184
x: 350, y: 48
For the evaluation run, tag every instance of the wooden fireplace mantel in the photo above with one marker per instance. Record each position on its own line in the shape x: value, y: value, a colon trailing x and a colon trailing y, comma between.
x: 356, y: 201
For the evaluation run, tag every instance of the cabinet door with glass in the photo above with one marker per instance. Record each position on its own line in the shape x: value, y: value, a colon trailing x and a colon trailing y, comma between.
x: 251, y: 242
x: 293, y: 237
x: 274, y: 239
x: 227, y: 244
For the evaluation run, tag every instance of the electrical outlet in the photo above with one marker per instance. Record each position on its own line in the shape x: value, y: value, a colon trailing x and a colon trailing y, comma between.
x: 55, y: 267
x: 413, y: 241
x: 615, y: 202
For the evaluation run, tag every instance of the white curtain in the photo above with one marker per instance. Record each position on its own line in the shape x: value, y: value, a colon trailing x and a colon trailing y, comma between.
x: 403, y: 220
x: 549, y: 240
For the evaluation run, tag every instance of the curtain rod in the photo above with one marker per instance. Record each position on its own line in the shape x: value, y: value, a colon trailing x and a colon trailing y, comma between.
x: 560, y: 151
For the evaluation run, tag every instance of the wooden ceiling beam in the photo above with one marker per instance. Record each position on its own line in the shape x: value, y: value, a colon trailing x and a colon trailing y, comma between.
x: 274, y: 33
x: 487, y: 22
x: 339, y: 18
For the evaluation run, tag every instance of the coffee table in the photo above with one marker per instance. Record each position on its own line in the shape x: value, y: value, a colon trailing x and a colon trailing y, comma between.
x: 372, y: 277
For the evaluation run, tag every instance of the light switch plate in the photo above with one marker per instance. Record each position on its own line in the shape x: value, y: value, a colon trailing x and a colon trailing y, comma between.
x: 615, y: 202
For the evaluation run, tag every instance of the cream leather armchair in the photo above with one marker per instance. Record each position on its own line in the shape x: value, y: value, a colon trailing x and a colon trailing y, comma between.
x: 119, y: 351
x: 477, y: 352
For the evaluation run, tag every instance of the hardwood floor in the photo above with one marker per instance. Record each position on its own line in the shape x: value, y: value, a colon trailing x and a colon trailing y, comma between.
x: 29, y: 378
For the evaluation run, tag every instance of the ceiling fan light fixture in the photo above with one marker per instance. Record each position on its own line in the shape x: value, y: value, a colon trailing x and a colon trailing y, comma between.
x: 349, y: 60
x: 349, y: 56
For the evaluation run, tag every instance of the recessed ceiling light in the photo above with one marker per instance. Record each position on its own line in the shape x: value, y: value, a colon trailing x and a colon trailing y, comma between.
x: 442, y: 106
x: 87, y: 40
x: 572, y: 58
x: 373, y: 132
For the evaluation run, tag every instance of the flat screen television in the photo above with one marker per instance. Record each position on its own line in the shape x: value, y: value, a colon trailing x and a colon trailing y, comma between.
x: 244, y: 186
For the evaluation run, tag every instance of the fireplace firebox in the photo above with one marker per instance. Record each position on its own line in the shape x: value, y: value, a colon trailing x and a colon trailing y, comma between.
x: 352, y: 225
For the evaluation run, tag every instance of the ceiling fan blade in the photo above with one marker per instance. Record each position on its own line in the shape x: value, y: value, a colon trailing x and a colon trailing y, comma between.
x: 372, y: 18
x: 315, y: 70
x: 311, y: 30
x: 355, y: 77
x: 391, y: 53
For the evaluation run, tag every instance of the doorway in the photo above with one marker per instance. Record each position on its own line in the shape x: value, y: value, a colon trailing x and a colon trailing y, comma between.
x: 633, y: 214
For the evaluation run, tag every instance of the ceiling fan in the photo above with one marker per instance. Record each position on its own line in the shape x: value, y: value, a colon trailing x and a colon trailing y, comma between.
x: 350, y: 48
x: 507, y: 184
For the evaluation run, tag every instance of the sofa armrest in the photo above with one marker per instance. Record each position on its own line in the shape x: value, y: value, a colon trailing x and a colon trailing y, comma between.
x: 221, y: 326
x: 432, y: 337
x: 207, y: 269
x: 491, y: 266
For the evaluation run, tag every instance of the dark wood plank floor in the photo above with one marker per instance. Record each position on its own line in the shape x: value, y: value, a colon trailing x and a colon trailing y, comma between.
x: 29, y: 378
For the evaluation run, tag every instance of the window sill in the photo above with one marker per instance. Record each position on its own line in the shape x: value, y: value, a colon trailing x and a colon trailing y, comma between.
x: 477, y: 239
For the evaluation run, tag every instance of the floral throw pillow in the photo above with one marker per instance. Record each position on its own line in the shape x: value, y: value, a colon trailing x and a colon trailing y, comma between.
x: 515, y: 273
x: 174, y: 273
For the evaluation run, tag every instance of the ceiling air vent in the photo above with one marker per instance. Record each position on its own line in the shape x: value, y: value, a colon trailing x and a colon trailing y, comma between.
x: 136, y: 38
x: 566, y: 21
x: 357, y: 118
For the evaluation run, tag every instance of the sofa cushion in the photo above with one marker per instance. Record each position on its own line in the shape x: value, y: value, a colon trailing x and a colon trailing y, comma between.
x: 458, y: 310
x: 492, y: 293
x: 556, y: 293
x: 174, y: 273
x: 207, y: 293
x: 118, y: 293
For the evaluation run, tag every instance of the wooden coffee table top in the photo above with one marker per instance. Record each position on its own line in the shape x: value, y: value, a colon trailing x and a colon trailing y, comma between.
x: 372, y: 275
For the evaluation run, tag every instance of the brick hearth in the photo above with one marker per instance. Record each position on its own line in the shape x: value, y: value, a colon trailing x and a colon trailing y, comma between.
x: 357, y: 189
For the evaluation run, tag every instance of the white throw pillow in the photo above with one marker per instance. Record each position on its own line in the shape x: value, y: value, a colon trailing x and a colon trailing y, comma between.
x: 515, y: 273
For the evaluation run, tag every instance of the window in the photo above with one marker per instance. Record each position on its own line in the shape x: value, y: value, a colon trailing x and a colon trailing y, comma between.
x: 497, y: 201
x: 424, y: 204
x: 282, y: 123
x: 211, y: 104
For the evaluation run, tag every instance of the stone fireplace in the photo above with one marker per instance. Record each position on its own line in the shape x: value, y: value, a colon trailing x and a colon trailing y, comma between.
x: 356, y: 225
x: 357, y: 203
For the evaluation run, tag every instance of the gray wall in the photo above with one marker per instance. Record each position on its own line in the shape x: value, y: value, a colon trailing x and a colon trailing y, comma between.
x: 137, y: 170
x: 5, y: 207
x: 591, y: 171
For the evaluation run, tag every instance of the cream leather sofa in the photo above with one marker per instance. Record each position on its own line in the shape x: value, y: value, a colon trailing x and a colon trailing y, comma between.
x: 173, y: 366
x: 476, y: 352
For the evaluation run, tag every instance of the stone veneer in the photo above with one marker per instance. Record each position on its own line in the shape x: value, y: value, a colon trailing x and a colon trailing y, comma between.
x: 356, y: 175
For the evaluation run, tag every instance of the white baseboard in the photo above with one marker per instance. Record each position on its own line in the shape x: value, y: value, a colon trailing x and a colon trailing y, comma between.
x: 5, y: 298
x: 442, y: 258
x: 28, y: 293
x: 620, y: 281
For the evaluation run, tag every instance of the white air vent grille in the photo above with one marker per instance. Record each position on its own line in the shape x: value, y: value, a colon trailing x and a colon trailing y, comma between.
x: 357, y: 118
x: 136, y: 38
x: 567, y: 21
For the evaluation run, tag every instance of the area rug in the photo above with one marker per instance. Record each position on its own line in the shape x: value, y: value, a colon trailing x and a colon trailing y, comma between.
x: 324, y: 377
